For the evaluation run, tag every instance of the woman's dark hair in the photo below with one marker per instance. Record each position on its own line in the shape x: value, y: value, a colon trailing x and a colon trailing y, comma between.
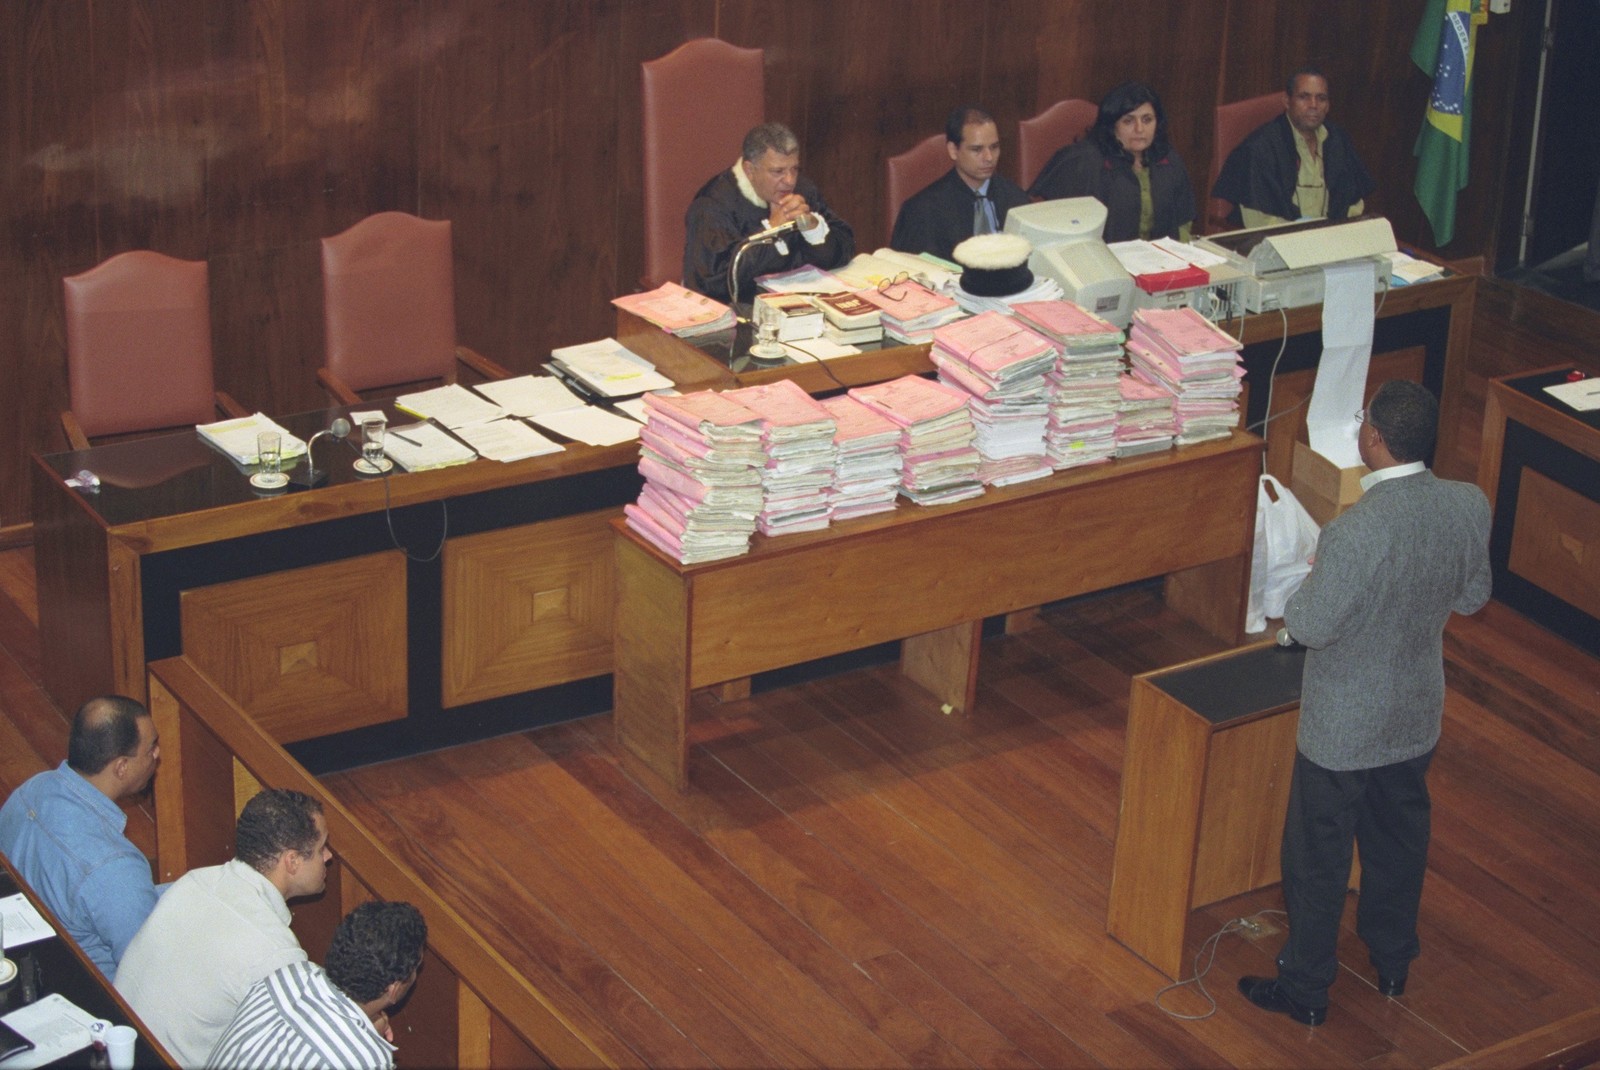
x: 1119, y: 102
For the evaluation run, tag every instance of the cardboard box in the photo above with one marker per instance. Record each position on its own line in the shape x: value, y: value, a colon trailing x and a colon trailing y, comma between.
x: 1324, y: 489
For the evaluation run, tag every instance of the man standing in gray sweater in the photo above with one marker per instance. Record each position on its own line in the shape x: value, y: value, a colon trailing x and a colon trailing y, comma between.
x: 1388, y: 574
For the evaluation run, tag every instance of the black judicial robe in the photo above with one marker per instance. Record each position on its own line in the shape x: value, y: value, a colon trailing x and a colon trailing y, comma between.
x: 1262, y: 171
x: 1082, y: 170
x: 939, y: 218
x: 721, y: 215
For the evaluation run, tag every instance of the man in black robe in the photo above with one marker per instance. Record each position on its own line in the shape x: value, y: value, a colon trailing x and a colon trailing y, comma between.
x: 972, y: 198
x: 1296, y: 166
x: 763, y: 189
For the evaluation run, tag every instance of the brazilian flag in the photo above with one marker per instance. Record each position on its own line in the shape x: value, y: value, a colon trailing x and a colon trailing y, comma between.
x: 1443, y: 49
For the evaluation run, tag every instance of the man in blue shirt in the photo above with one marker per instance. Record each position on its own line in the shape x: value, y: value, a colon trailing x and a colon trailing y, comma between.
x: 63, y: 829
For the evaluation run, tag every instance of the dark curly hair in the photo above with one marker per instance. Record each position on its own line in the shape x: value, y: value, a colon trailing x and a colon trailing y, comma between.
x: 275, y: 821
x: 376, y: 945
x: 1119, y: 102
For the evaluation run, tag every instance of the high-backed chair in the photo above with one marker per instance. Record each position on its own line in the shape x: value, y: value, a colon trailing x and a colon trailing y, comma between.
x: 389, y: 307
x: 909, y: 172
x: 686, y: 140
x: 139, y: 348
x: 1234, y: 122
x: 1038, y: 138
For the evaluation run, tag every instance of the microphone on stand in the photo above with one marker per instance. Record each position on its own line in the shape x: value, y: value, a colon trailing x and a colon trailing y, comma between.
x: 772, y: 232
x: 338, y: 429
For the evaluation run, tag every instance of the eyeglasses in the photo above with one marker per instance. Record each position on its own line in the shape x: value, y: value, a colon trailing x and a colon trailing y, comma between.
x: 1361, y: 416
x: 889, y: 283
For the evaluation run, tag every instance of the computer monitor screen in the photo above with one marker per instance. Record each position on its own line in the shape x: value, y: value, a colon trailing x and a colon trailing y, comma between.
x: 1050, y: 222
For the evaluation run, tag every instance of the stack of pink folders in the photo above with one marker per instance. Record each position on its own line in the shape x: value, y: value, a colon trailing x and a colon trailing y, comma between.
x: 1145, y: 423
x: 868, y: 477
x: 1083, y: 386
x: 910, y: 311
x: 797, y: 438
x: 1178, y: 349
x: 1003, y: 365
x: 701, y: 457
x: 938, y: 462
x: 678, y: 310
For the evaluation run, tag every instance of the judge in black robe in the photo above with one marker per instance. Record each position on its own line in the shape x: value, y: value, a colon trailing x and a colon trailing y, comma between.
x: 1262, y: 171
x: 940, y: 217
x: 726, y: 210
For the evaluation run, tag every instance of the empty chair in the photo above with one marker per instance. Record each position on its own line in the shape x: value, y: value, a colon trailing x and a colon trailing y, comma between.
x: 139, y: 348
x: 686, y: 141
x: 1059, y: 125
x: 1234, y: 122
x: 389, y: 307
x: 909, y: 172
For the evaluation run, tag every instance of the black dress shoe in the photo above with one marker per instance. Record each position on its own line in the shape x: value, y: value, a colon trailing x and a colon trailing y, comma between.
x: 1265, y: 993
x: 1391, y: 986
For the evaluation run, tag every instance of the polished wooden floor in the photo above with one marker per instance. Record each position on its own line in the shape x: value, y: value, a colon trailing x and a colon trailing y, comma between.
x: 859, y: 880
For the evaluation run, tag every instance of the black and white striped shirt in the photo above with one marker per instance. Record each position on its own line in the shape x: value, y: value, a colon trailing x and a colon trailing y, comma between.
x: 295, y: 1019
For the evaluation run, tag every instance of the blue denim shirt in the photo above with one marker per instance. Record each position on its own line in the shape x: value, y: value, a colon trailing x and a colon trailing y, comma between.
x: 65, y: 837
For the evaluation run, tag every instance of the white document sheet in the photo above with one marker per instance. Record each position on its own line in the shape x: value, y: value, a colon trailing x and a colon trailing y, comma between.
x: 1347, y: 322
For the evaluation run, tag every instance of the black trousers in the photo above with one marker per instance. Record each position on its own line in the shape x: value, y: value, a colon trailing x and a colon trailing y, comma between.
x: 1386, y: 811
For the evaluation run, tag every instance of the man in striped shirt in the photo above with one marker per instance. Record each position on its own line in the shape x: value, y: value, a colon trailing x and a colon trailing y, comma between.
x: 310, y: 1017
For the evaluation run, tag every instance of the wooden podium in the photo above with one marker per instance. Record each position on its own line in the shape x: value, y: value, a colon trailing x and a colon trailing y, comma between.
x: 1205, y: 782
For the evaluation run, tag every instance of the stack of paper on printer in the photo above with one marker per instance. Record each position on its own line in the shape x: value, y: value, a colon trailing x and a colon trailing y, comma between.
x: 868, y: 474
x: 939, y: 463
x: 1145, y: 422
x: 797, y: 438
x: 910, y: 311
x: 1002, y: 365
x: 701, y: 457
x: 678, y: 310
x: 1179, y: 350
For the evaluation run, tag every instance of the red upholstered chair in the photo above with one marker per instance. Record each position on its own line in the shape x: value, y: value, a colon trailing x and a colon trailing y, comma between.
x: 139, y: 348
x: 909, y: 172
x: 1038, y: 138
x: 1234, y: 123
x: 699, y: 102
x: 389, y: 308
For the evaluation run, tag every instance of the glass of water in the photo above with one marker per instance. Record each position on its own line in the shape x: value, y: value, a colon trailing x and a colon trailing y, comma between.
x: 372, y: 441
x: 269, y: 452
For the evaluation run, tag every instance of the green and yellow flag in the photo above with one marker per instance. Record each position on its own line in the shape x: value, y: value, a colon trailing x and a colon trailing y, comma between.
x: 1443, y: 49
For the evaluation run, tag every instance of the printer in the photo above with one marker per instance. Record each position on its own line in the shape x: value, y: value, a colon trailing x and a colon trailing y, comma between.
x: 1281, y: 266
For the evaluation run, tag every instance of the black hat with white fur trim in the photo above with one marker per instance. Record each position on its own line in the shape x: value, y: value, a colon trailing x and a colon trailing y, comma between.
x: 996, y: 265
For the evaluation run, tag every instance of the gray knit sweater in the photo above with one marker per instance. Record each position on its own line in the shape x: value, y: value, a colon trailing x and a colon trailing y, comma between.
x: 1388, y: 574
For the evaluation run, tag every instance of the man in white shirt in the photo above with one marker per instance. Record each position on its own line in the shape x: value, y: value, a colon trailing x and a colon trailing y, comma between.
x: 334, y: 1018
x: 220, y: 929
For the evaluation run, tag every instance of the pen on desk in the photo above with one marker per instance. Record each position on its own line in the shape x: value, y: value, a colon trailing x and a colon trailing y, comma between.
x: 402, y: 438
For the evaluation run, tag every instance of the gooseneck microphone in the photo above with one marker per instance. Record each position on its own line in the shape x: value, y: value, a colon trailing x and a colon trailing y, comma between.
x: 338, y: 429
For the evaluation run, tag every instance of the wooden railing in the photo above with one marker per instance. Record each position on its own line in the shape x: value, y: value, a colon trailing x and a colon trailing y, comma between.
x: 1569, y: 1044
x: 470, y: 1007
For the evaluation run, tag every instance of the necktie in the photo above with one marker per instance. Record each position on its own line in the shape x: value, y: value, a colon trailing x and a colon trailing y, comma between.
x: 982, y: 219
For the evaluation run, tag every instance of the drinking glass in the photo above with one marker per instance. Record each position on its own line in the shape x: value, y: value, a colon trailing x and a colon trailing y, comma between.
x: 372, y: 441
x: 269, y: 452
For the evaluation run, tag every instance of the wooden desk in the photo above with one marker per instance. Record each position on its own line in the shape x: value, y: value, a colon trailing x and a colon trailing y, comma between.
x: 1540, y: 467
x: 929, y: 576
x: 300, y: 606
x: 58, y: 964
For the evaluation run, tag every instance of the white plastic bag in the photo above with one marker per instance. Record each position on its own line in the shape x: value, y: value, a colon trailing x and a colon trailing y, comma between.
x: 1286, y: 540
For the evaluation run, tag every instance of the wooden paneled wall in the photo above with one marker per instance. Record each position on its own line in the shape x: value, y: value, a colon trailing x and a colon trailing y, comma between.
x: 242, y: 132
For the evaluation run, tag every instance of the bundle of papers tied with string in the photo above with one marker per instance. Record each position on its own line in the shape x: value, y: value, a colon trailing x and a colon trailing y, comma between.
x: 938, y: 461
